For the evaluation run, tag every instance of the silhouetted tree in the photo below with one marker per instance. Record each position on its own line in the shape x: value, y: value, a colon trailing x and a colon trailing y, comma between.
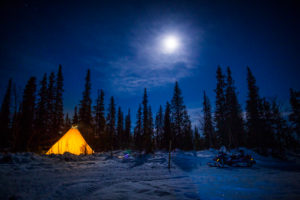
x: 208, y: 129
x: 254, y: 123
x: 138, y: 130
x: 146, y: 131
x: 41, y: 138
x: 100, y: 113
x: 127, y: 131
x: 75, y: 117
x: 51, y: 108
x: 233, y: 115
x: 220, y: 108
x: 177, y: 117
x: 5, y: 140
x: 85, y: 112
x: 294, y: 116
x: 167, y: 134
x: 67, y: 124
x: 120, y: 129
x: 111, y: 121
x: 59, y: 110
x: 150, y: 147
x: 159, y: 128
x: 100, y: 121
x: 282, y: 134
x: 27, y: 116
x: 187, y: 143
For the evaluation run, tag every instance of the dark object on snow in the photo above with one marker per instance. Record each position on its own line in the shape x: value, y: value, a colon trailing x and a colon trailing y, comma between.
x: 234, y: 160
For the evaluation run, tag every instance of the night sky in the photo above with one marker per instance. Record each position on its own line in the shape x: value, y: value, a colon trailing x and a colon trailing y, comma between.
x: 120, y: 41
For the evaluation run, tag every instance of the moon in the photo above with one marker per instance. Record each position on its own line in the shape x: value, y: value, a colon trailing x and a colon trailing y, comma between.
x: 170, y: 44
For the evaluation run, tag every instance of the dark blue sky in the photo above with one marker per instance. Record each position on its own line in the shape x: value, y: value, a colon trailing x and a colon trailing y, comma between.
x: 120, y: 42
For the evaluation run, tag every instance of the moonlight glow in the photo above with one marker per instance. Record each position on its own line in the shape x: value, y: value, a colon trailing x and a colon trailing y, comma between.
x: 170, y: 44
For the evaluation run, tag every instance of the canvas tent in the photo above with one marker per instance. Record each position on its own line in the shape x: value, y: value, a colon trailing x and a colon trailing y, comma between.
x: 71, y: 142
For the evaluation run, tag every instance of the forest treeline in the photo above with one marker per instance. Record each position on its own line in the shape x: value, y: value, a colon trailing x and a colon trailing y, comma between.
x: 37, y: 121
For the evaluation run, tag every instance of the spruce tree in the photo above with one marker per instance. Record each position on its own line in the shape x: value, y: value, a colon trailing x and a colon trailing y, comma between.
x: 149, y: 147
x: 67, y: 124
x: 127, y: 131
x: 42, y: 118
x: 159, y: 128
x: 138, y: 130
x: 220, y: 108
x: 145, y: 125
x: 75, y: 117
x: 100, y: 113
x: 27, y: 116
x: 208, y: 129
x: 177, y: 117
x: 85, y: 112
x: 111, y: 121
x: 266, y: 135
x: 51, y: 134
x: 5, y: 118
x: 168, y: 135
x: 187, y: 132
x: 120, y: 129
x: 294, y: 116
x: 233, y: 115
x: 282, y: 134
x: 59, y: 112
x: 253, y: 103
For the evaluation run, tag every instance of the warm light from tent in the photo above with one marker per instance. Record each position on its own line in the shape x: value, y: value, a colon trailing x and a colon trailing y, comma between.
x: 71, y: 142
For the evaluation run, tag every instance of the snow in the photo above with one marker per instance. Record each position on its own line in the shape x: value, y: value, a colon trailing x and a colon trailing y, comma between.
x: 98, y: 176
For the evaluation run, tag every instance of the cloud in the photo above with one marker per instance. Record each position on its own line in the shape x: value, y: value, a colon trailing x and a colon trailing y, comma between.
x: 135, y: 59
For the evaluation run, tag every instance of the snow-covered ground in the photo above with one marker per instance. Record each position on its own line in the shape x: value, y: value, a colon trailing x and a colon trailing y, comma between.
x: 30, y: 176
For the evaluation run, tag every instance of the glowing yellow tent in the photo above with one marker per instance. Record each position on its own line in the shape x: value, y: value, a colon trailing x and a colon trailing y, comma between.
x: 71, y: 142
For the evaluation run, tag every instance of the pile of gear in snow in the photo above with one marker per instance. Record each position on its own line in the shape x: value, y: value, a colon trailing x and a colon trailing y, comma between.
x: 238, y: 159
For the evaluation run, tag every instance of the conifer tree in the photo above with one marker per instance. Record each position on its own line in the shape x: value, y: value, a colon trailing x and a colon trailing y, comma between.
x: 5, y: 118
x: 167, y: 134
x: 265, y: 138
x: 120, y: 129
x: 138, y: 130
x: 145, y: 125
x: 208, y: 129
x: 51, y: 107
x: 100, y: 113
x: 233, y: 115
x: 59, y: 113
x: 220, y: 108
x: 177, y: 117
x: 187, y: 132
x: 85, y: 112
x: 111, y: 121
x: 100, y: 123
x: 27, y: 116
x: 75, y: 117
x: 282, y: 134
x: 149, y: 147
x: 67, y: 124
x: 127, y: 131
x: 294, y: 116
x: 159, y: 128
x: 253, y: 103
x: 41, y: 123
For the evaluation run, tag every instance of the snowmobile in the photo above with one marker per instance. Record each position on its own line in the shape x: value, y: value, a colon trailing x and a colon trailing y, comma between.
x: 234, y: 160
